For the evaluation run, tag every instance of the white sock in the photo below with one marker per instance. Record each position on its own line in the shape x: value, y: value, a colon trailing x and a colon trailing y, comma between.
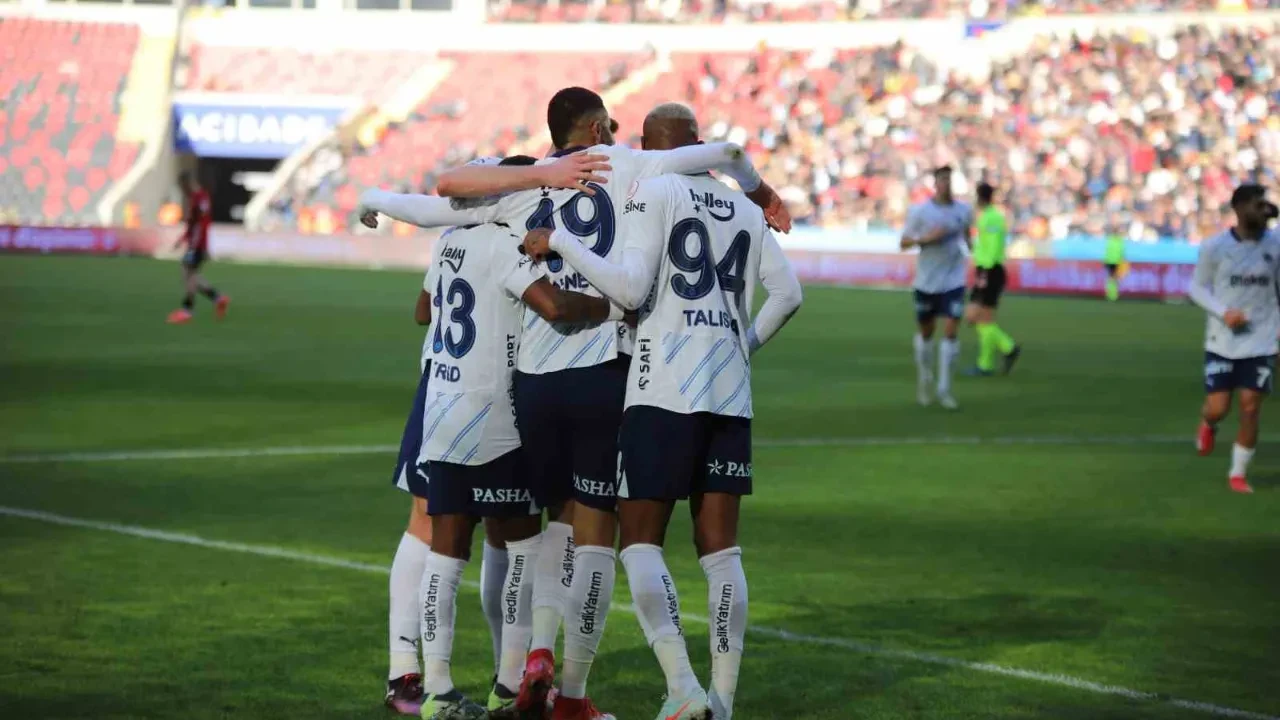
x: 658, y: 608
x: 440, y: 581
x: 516, y: 612
x: 402, y: 620
x: 493, y: 578
x: 727, y: 602
x: 946, y: 358
x: 552, y: 577
x: 924, y: 355
x: 1240, y: 458
x: 587, y: 607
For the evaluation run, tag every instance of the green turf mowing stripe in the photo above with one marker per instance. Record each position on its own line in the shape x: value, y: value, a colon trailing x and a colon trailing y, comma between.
x: 852, y: 645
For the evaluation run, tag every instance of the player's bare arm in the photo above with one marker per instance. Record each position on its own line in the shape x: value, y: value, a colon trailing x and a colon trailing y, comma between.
x: 422, y: 311
x: 563, y: 306
x: 571, y: 171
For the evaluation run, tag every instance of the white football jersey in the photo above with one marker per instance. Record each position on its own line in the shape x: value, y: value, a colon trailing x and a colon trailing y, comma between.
x: 702, y: 244
x: 548, y: 347
x: 426, y: 341
x: 478, y: 277
x: 1242, y: 274
x: 940, y: 266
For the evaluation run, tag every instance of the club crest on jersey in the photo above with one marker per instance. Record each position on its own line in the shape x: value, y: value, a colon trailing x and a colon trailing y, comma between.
x: 713, y: 204
x: 453, y: 257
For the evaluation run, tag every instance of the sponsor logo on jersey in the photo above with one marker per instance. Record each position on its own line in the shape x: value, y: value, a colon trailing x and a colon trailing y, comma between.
x: 1251, y: 280
x: 430, y: 608
x: 710, y: 318
x: 453, y: 257
x: 729, y: 469
x: 721, y: 618
x: 572, y: 281
x: 592, y: 606
x: 592, y: 487
x: 1217, y: 367
x: 500, y: 495
x: 633, y: 206
x: 511, y: 598
x: 713, y: 204
x: 645, y: 363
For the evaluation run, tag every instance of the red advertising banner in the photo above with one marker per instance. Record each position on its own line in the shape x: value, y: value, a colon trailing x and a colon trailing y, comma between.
x: 80, y: 240
x: 1037, y: 276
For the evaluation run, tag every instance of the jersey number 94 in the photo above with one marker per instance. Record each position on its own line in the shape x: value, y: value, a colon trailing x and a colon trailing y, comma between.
x: 702, y: 270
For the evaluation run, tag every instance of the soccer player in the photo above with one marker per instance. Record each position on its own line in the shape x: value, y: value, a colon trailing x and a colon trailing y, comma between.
x: 404, y: 677
x: 692, y: 254
x: 570, y: 381
x: 988, y: 259
x: 196, y: 238
x: 1237, y: 281
x: 482, y: 286
x: 940, y: 227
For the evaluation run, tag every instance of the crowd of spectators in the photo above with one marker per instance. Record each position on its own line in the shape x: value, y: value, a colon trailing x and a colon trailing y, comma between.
x: 1134, y: 134
x: 739, y: 11
x: 1127, y: 134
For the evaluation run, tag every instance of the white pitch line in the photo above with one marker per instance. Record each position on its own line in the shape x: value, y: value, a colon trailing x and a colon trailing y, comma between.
x: 775, y: 633
x: 800, y: 442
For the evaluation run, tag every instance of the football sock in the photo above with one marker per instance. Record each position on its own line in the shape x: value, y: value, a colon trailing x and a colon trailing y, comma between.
x: 587, y: 607
x: 946, y: 357
x: 188, y: 301
x: 658, y: 607
x: 1003, y: 341
x: 515, y: 621
x: 986, y: 348
x: 1113, y: 289
x: 440, y: 581
x: 924, y: 354
x: 210, y: 292
x: 727, y: 606
x: 493, y: 578
x: 402, y: 621
x: 1240, y: 458
x: 552, y: 577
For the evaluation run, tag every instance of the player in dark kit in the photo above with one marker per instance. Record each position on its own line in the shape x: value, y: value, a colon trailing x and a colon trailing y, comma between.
x: 196, y: 237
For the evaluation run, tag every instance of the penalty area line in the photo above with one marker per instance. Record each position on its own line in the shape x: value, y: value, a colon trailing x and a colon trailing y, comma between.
x: 271, y: 551
x: 796, y: 442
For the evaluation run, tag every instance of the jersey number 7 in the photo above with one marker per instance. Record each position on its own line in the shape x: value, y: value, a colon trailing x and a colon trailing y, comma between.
x: 728, y: 270
x: 600, y: 224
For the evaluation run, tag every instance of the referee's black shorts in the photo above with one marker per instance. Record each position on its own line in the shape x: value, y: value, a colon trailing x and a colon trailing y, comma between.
x: 988, y: 285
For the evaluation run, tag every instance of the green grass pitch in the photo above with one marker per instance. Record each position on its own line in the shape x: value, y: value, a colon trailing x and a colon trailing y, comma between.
x: 1102, y: 550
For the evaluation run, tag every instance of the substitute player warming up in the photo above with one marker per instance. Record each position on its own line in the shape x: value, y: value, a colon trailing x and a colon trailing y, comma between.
x: 1236, y: 282
x: 196, y: 238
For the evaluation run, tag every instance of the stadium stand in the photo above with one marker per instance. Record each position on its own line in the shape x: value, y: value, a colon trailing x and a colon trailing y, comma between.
x: 729, y: 11
x: 60, y: 89
x: 486, y: 105
x: 370, y: 74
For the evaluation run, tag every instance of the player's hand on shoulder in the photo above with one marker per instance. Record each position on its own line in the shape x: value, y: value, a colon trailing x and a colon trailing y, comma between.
x: 575, y: 171
x: 775, y: 211
x: 537, y: 244
x: 1235, y: 319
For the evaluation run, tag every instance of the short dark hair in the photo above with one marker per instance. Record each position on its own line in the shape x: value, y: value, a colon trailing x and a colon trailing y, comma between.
x: 942, y: 169
x: 1247, y: 192
x: 566, y: 109
x: 986, y: 193
x: 518, y: 160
